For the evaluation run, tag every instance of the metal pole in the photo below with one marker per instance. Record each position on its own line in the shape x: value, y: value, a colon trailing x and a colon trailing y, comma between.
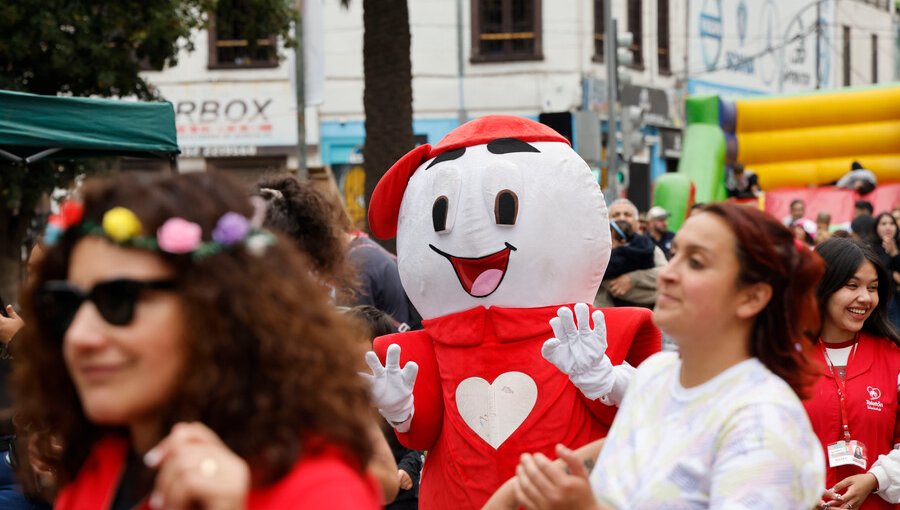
x: 609, y: 54
x: 302, y: 171
x: 687, y: 47
x: 460, y: 64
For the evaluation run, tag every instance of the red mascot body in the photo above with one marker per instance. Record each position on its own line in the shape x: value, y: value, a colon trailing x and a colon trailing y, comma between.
x: 497, y: 226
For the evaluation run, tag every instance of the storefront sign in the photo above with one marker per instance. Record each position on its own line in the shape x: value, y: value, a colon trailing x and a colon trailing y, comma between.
x: 655, y: 103
x: 233, y: 119
x: 670, y: 142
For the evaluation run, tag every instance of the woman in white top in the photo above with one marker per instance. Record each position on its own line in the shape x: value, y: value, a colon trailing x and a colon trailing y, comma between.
x: 721, y: 425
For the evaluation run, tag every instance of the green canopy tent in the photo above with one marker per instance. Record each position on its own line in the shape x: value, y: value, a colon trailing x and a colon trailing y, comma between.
x: 34, y: 127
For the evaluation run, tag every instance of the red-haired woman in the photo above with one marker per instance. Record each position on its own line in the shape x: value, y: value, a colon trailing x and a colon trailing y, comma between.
x: 178, y: 356
x: 721, y: 425
x: 853, y: 408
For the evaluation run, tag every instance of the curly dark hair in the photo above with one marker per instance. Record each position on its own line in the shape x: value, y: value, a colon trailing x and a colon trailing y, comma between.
x: 784, y: 332
x: 313, y: 221
x: 269, y: 371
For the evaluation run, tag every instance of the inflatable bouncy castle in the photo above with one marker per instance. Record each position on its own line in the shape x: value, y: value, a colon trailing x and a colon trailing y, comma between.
x: 796, y: 145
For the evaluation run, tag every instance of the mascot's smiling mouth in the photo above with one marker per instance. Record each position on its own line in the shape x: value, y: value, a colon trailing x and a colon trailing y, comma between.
x: 480, y: 276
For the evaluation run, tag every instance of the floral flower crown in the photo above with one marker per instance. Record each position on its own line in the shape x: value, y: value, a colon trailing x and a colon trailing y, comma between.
x: 177, y: 236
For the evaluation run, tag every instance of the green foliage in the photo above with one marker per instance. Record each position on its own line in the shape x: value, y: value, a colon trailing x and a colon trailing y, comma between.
x: 97, y: 47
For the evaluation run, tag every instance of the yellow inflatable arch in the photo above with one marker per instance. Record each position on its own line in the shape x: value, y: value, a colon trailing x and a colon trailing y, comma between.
x: 813, y: 139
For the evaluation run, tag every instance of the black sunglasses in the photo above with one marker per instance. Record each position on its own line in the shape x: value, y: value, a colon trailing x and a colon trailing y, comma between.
x: 57, y: 302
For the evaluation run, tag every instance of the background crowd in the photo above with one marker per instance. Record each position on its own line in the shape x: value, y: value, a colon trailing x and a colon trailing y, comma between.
x: 808, y: 312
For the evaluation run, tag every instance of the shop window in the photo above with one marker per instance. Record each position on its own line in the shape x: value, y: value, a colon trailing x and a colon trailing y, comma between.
x: 505, y: 30
x: 662, y: 37
x: 229, y: 46
x: 636, y: 27
x: 599, y: 31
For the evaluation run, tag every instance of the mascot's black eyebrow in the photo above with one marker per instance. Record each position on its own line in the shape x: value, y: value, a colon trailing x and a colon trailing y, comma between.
x: 509, y: 145
x: 447, y: 156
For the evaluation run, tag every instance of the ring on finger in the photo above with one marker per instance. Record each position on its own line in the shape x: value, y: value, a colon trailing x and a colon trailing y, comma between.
x: 209, y: 467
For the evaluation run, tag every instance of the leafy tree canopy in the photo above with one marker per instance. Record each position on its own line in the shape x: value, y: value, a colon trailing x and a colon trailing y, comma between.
x: 97, y: 47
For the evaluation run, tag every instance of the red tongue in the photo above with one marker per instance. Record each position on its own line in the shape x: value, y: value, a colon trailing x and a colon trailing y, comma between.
x: 468, y: 270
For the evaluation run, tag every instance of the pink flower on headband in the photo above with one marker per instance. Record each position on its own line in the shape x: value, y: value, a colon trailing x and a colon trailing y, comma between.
x: 178, y: 235
x: 231, y: 228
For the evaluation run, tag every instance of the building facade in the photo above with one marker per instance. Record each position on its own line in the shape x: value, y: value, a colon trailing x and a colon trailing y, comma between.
x: 236, y: 108
x: 235, y: 105
x: 534, y: 57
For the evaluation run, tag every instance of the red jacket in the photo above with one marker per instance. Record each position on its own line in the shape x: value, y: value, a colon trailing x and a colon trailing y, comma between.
x: 871, y: 383
x: 321, y: 480
x: 476, y: 347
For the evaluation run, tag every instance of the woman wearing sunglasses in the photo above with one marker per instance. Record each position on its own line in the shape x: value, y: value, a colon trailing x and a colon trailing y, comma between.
x: 178, y: 356
x: 854, y: 408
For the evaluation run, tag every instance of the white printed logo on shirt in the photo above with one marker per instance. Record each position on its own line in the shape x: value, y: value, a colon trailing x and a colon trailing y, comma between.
x: 874, y: 395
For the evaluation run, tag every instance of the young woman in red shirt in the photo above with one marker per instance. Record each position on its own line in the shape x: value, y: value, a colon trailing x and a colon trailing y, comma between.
x: 853, y: 408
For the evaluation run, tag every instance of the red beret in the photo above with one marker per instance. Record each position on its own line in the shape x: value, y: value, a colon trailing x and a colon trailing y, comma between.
x: 384, y: 207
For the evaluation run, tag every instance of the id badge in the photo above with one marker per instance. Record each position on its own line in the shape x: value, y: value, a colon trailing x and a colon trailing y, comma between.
x: 847, y: 453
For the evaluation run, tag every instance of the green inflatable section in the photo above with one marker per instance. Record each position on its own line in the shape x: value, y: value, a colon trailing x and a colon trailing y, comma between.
x: 702, y: 110
x: 672, y: 193
x: 702, y: 162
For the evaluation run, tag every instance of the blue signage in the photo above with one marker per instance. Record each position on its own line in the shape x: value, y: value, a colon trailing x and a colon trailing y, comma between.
x: 711, y: 32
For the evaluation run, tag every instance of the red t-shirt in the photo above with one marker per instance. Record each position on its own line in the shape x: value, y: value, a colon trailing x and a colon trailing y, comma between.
x: 871, y: 402
x: 321, y: 480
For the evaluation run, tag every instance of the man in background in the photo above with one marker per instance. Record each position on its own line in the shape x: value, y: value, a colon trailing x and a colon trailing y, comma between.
x: 637, y: 287
x: 863, y: 208
x: 659, y: 229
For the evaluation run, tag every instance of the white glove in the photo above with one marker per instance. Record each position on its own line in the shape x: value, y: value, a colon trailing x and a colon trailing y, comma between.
x: 392, y: 388
x: 581, y: 353
x: 623, y: 373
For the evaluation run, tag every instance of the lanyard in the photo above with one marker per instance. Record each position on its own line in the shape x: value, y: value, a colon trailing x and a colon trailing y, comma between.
x: 841, y: 386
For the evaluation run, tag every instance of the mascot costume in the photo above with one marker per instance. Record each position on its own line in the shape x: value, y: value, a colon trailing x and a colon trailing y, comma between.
x: 500, y: 228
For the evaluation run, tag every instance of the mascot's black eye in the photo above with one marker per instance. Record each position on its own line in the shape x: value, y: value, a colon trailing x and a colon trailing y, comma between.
x: 506, y: 208
x: 439, y: 213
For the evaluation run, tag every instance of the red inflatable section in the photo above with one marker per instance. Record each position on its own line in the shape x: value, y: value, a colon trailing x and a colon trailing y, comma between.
x: 837, y: 201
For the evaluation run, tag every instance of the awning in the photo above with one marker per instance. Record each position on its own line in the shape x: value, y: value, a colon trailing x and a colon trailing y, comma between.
x: 33, y: 127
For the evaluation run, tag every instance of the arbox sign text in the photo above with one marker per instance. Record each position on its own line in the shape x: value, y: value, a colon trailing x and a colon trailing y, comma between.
x: 232, y: 114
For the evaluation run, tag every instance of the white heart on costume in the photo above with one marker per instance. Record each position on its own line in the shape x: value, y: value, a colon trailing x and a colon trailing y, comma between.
x: 494, y: 411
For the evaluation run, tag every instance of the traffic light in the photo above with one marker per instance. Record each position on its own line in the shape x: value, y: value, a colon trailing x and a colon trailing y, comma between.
x: 624, y: 58
x: 632, y: 137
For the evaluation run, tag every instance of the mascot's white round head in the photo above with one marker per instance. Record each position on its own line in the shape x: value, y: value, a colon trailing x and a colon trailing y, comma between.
x: 502, y: 212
